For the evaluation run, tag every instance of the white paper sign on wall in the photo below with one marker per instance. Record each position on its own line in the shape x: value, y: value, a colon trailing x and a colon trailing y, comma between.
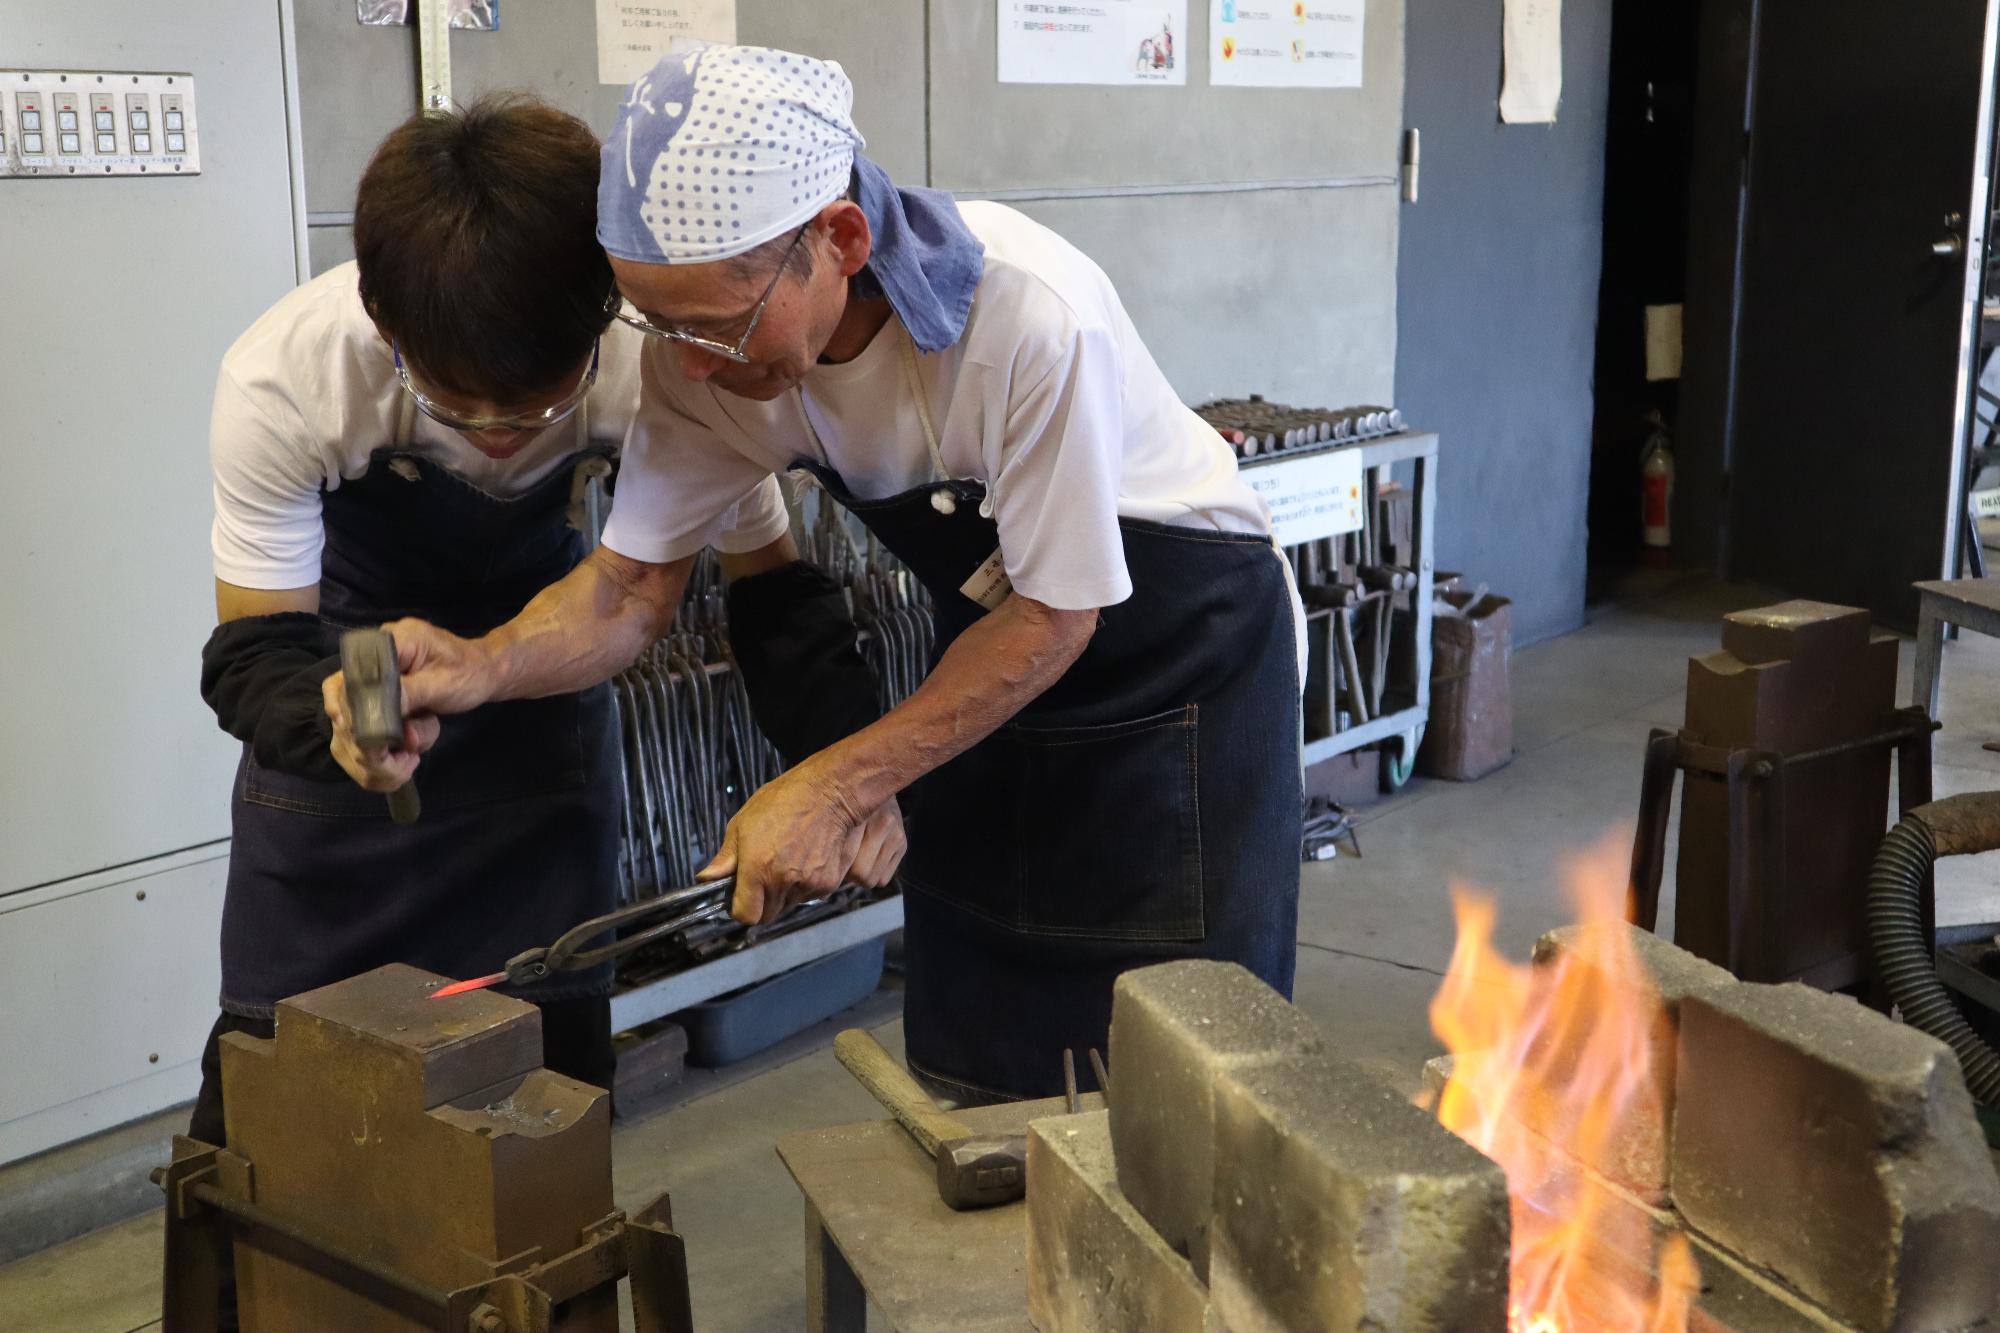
x: 1286, y: 43
x: 1120, y: 42
x: 1312, y: 497
x: 632, y: 35
x: 1532, y: 61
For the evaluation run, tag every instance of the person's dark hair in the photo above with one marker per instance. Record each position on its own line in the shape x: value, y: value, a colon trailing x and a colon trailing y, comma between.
x: 476, y: 236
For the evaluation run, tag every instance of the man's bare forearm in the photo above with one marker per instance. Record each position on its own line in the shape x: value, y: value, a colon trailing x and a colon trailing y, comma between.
x: 585, y: 628
x: 991, y: 671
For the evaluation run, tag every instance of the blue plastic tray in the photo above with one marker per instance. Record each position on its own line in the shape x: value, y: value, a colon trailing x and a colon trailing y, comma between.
x: 732, y: 1027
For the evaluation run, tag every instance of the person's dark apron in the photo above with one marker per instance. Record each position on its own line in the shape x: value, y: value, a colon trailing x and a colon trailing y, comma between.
x: 519, y: 833
x: 1146, y: 807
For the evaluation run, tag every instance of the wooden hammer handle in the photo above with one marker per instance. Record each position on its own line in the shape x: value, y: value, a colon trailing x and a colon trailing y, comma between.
x: 878, y: 1072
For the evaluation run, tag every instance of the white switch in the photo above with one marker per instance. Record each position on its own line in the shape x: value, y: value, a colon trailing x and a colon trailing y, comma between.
x: 31, y: 144
x: 142, y: 143
x: 107, y: 143
x: 31, y: 120
x: 141, y: 121
x: 173, y: 120
x: 176, y: 143
x: 72, y: 143
x: 65, y: 120
x: 104, y: 121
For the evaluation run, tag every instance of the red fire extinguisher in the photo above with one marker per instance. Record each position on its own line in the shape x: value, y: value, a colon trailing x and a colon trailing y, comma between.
x: 1656, y: 487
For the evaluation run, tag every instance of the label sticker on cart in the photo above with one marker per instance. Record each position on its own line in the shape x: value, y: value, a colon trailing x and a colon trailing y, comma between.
x: 989, y: 584
x: 1312, y: 497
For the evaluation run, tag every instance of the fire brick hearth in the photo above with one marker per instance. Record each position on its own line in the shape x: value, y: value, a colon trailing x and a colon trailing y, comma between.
x: 1819, y: 1164
x: 1324, y: 1200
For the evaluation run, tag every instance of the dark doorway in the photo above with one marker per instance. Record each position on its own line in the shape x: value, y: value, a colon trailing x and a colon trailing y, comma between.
x: 1835, y: 154
x: 1646, y: 158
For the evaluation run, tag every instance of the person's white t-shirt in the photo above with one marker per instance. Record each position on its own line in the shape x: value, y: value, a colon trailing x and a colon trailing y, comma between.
x: 1049, y: 397
x: 310, y: 391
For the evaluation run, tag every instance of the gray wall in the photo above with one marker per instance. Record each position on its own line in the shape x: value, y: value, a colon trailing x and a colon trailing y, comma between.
x: 1498, y: 303
x: 1252, y: 232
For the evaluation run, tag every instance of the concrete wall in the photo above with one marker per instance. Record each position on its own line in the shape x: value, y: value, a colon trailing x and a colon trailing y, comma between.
x: 1498, y: 310
x: 1252, y: 232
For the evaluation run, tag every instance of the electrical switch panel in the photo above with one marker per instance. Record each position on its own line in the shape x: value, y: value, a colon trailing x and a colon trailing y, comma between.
x: 77, y: 123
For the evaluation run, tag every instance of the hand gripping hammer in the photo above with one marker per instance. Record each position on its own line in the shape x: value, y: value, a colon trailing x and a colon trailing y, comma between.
x: 375, y: 705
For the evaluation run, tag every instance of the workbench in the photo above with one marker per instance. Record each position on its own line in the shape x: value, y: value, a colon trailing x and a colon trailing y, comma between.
x: 1972, y: 604
x: 877, y: 1230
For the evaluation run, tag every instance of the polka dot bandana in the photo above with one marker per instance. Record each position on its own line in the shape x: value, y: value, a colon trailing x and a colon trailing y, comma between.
x: 720, y: 149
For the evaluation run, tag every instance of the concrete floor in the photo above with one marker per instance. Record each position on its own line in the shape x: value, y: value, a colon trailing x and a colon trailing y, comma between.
x: 1374, y: 936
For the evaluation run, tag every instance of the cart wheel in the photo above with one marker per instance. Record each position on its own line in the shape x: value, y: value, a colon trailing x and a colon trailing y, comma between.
x: 1399, y: 759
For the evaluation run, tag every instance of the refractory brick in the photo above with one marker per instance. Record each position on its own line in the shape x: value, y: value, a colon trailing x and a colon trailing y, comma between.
x: 1175, y: 1028
x: 1094, y: 1264
x: 1632, y: 962
x: 1840, y: 1151
x: 1340, y: 1206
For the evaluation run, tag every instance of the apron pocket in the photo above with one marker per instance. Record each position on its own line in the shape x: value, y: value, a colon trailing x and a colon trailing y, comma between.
x: 499, y: 752
x: 1108, y: 829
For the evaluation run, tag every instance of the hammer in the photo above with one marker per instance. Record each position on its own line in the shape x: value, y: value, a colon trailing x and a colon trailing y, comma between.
x: 375, y: 704
x: 973, y: 1170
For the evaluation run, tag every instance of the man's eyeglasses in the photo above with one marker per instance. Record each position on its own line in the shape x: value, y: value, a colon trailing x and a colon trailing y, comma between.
x: 727, y: 351
x: 541, y: 420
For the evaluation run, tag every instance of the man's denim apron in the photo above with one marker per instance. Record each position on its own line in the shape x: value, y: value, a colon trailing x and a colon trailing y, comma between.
x: 519, y: 835
x: 1146, y: 807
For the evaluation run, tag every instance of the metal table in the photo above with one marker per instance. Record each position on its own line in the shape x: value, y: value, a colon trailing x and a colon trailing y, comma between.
x: 1972, y: 604
x: 876, y: 1230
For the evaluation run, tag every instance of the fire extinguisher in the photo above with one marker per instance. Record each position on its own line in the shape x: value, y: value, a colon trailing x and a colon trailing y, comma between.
x: 1656, y: 487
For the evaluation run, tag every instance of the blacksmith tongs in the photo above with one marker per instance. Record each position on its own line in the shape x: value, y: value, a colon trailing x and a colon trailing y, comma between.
x: 568, y: 954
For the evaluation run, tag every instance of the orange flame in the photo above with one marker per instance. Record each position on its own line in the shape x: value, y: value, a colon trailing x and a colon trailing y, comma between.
x: 1553, y: 1072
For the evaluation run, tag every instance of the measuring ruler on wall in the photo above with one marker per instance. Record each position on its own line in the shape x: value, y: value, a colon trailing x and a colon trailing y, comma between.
x: 434, y: 54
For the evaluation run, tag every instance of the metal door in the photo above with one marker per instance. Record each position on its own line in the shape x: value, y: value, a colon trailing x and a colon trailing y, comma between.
x: 1864, y: 158
x: 118, y: 297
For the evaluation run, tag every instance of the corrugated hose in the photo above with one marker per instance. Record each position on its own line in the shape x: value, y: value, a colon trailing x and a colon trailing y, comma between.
x: 1897, y: 884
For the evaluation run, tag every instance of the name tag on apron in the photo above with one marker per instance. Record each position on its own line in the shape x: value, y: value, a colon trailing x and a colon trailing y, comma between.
x: 989, y: 584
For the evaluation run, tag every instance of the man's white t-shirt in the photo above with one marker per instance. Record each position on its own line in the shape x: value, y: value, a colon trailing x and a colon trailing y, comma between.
x: 310, y: 391
x: 1049, y: 397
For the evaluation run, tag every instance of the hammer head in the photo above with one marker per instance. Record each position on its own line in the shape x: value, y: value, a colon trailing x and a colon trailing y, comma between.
x: 374, y: 688
x: 983, y: 1170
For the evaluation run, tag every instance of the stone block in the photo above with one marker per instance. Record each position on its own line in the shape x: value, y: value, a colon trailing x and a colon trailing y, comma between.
x: 1674, y: 972
x: 1341, y: 1206
x: 1094, y: 1264
x: 1174, y: 1028
x: 1636, y: 1158
x: 1840, y: 1151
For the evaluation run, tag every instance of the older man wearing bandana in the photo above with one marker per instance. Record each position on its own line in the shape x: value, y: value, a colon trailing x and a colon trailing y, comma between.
x: 1102, y: 768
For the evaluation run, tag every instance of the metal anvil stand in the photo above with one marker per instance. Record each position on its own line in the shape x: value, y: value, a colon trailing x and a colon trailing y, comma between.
x: 399, y: 1163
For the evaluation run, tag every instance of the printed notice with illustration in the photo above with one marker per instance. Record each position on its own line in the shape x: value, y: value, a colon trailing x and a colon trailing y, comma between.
x: 1121, y: 42
x: 1285, y: 43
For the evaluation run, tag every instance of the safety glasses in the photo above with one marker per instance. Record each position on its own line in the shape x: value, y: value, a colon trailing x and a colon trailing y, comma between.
x: 541, y: 420
x: 727, y: 351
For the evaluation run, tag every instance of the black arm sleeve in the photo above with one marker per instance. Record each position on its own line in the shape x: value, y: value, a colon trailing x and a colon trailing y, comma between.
x: 795, y: 641
x: 262, y: 676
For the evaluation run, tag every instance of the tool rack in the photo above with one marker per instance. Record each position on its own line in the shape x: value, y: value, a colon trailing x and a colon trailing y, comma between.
x: 692, y: 754
x: 1334, y: 723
